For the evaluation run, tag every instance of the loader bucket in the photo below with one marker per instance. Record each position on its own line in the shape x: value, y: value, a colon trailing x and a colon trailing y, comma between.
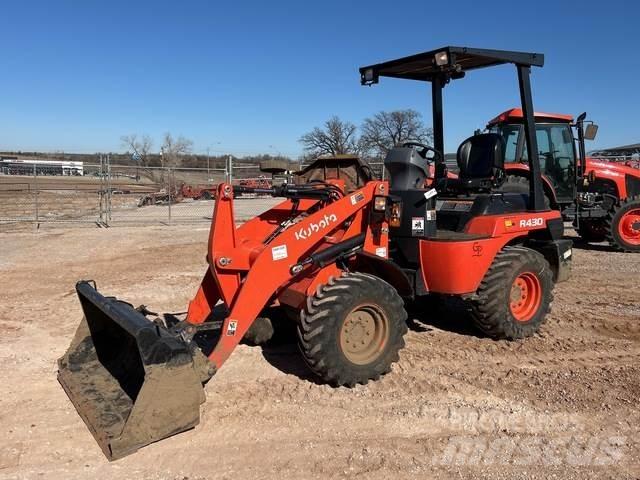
x: 131, y: 381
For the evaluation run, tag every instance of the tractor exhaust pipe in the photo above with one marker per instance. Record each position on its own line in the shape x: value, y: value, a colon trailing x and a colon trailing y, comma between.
x: 131, y: 380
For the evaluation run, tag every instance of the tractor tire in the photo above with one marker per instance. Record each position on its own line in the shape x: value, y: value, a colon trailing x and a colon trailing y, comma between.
x: 520, y: 184
x: 515, y: 294
x: 623, y: 225
x: 352, y: 329
x: 259, y: 333
x: 592, y: 231
x: 206, y: 195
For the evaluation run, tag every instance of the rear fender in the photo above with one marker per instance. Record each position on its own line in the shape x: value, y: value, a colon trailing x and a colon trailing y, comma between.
x: 457, y: 267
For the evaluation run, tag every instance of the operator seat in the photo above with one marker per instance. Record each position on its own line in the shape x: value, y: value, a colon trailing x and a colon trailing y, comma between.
x: 481, y: 164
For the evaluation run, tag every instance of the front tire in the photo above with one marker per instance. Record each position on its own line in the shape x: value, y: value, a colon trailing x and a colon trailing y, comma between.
x: 352, y: 329
x: 515, y: 294
x: 623, y: 225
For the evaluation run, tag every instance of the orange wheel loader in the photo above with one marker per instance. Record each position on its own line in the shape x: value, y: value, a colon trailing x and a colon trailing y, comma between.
x: 344, y: 261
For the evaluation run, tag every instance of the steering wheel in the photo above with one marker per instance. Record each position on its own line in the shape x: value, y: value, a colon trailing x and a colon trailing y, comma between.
x: 424, y: 149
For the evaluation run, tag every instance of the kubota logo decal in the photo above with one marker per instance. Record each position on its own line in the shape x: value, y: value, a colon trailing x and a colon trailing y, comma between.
x: 304, y: 233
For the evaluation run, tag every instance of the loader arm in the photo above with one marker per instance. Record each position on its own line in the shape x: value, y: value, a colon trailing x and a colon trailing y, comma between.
x: 246, y: 274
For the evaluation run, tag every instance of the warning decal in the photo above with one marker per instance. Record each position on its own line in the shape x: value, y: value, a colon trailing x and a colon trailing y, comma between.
x: 279, y: 252
x: 417, y: 226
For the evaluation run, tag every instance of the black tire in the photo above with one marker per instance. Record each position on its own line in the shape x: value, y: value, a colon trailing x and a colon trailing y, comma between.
x: 260, y: 332
x: 520, y: 184
x: 612, y: 224
x: 592, y: 231
x: 491, y: 308
x: 206, y: 195
x: 354, y: 301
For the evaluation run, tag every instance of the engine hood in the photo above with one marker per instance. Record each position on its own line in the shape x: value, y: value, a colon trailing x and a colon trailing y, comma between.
x: 605, y: 169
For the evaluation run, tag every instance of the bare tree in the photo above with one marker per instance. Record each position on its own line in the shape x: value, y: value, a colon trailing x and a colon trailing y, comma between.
x: 140, y: 147
x: 173, y: 149
x: 335, y: 138
x: 385, y: 130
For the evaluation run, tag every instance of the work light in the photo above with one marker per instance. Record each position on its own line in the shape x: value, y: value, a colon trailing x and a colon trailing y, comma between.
x: 442, y: 58
x: 380, y: 203
x: 368, y: 75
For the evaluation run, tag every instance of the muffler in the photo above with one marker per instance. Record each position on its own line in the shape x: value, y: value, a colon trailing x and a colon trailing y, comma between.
x: 131, y: 380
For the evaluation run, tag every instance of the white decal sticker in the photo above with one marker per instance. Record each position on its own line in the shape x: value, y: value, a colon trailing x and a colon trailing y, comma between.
x: 232, y: 327
x: 279, y: 252
x: 417, y: 226
x: 431, y: 214
x: 357, y: 197
x: 532, y: 222
x: 567, y: 254
x: 381, y: 252
x: 304, y: 233
x: 430, y: 193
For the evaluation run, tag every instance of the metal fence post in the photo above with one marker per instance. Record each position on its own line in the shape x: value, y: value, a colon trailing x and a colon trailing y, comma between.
x: 35, y: 186
x: 100, y: 202
x: 109, y: 189
x: 169, y: 191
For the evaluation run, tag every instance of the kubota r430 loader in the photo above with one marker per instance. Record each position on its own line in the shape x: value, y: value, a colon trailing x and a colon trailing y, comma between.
x: 344, y: 261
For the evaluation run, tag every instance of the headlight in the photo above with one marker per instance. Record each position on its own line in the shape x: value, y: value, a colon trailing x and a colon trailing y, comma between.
x: 369, y: 77
x: 380, y: 203
x: 442, y: 58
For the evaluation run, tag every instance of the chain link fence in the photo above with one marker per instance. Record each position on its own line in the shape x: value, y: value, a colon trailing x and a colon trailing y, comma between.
x: 112, y: 195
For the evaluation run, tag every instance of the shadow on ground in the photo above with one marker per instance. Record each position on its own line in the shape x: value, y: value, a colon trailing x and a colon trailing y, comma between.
x: 425, y: 315
x: 592, y: 247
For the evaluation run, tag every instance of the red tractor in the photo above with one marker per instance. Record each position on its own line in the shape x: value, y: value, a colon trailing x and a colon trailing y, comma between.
x: 345, y: 262
x: 247, y: 184
x: 198, y: 192
x: 601, y: 198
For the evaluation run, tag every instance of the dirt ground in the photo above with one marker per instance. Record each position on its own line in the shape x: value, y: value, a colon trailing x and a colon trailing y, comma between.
x: 564, y: 404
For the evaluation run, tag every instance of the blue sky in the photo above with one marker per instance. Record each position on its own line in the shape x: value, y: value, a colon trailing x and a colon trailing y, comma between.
x: 249, y: 77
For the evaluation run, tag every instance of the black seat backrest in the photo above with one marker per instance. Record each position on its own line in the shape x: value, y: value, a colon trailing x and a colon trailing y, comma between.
x: 481, y: 156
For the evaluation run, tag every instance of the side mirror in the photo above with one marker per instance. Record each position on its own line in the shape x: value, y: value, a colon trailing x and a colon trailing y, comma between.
x: 590, y: 131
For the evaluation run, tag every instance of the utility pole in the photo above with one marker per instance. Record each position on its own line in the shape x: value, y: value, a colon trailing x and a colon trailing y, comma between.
x: 208, y: 174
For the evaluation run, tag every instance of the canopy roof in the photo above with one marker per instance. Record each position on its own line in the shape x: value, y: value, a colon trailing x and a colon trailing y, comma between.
x: 425, y: 66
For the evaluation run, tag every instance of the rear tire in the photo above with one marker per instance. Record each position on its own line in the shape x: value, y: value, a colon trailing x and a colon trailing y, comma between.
x: 623, y: 225
x: 520, y: 184
x: 515, y: 294
x: 352, y: 329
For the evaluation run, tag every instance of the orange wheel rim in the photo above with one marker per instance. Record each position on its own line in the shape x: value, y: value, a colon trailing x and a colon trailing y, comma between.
x: 525, y: 297
x: 629, y: 227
